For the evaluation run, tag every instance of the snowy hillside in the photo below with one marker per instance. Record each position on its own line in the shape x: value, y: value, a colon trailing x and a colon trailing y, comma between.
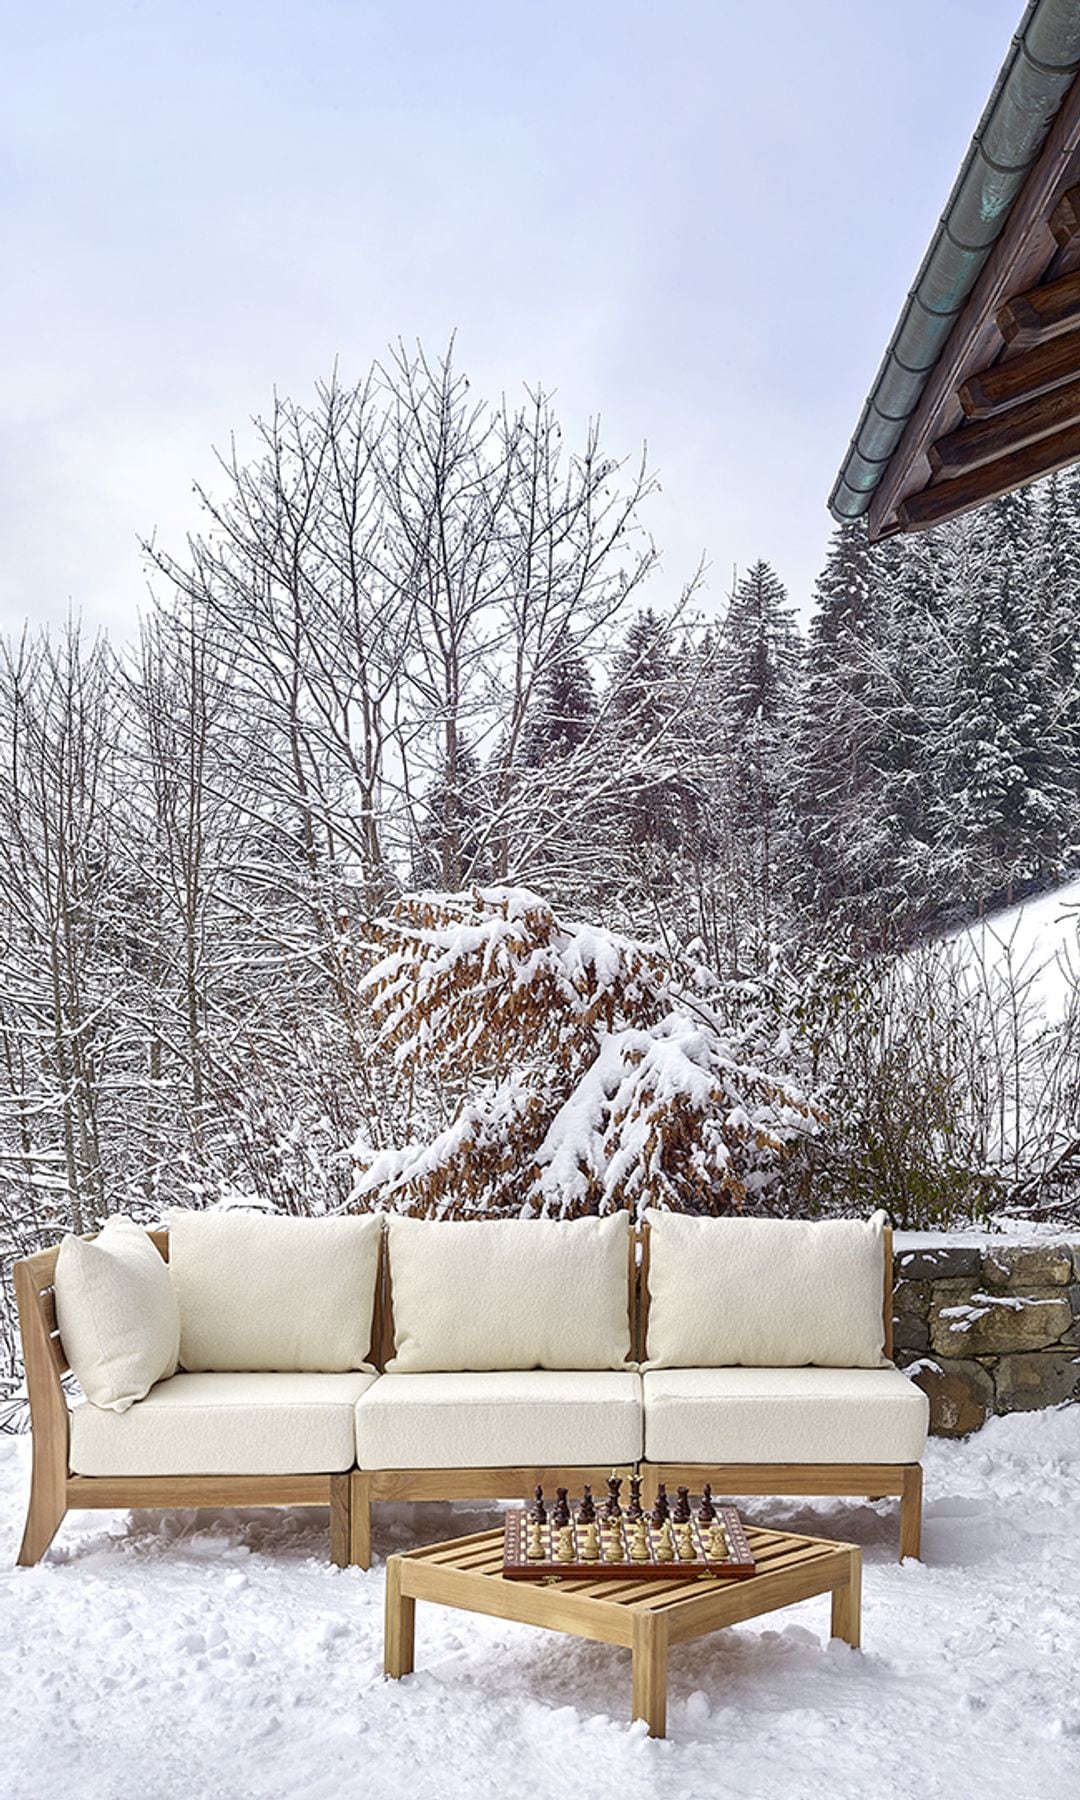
x: 1038, y: 941
x: 211, y: 1656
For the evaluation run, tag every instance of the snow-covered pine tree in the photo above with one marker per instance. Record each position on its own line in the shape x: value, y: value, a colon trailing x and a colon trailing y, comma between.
x: 451, y: 838
x: 833, y: 854
x: 1007, y: 804
x: 563, y: 709
x: 756, y: 685
x: 661, y: 804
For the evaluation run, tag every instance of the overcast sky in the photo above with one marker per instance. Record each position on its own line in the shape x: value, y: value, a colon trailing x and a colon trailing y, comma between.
x: 695, y: 220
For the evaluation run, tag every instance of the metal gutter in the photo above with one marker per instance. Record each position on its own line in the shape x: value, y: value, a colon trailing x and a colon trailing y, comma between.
x: 1043, y: 61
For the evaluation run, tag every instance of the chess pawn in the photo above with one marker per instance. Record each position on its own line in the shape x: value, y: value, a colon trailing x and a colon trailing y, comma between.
x: 640, y: 1550
x: 685, y: 1541
x: 665, y: 1549
x: 535, y: 1552
x: 565, y: 1551
x: 590, y: 1549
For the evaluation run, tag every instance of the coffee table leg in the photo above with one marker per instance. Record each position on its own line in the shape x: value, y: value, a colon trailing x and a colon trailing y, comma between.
x: 847, y: 1603
x: 400, y: 1623
x: 650, y: 1653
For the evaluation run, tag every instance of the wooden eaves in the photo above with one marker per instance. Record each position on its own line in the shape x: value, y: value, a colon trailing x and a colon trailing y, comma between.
x: 979, y: 388
x: 1002, y: 405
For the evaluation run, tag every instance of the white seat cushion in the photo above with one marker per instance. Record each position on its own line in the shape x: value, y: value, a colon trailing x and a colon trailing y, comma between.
x: 224, y: 1424
x: 500, y: 1420
x: 783, y: 1416
x: 509, y: 1293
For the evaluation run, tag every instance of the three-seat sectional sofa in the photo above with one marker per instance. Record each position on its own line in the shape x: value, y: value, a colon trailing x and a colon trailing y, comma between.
x: 241, y: 1359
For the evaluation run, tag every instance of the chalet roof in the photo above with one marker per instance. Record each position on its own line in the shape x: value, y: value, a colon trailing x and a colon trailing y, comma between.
x: 979, y: 388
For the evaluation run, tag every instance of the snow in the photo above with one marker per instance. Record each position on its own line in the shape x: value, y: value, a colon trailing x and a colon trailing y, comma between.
x: 218, y: 1656
x: 1037, y: 943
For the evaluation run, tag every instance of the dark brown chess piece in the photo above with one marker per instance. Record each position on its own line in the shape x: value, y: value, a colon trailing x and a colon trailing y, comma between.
x: 706, y: 1511
x: 561, y: 1514
x: 613, y: 1510
x: 587, y: 1509
x: 634, y: 1510
x: 538, y: 1511
x: 681, y: 1515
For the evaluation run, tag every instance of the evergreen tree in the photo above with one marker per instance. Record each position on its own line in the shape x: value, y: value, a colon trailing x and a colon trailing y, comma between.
x: 450, y: 851
x: 563, y: 710
x: 661, y: 804
x: 758, y: 666
x: 1006, y: 792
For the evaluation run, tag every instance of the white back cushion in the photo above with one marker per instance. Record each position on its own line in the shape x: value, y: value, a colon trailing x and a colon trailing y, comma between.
x: 259, y: 1291
x: 768, y: 1293
x: 117, y: 1313
x: 510, y: 1294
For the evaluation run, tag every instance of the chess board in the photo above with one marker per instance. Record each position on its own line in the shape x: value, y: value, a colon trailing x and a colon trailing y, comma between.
x: 619, y: 1544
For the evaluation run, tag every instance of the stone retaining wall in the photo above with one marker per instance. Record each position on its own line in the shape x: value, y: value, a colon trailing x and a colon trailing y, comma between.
x: 990, y: 1330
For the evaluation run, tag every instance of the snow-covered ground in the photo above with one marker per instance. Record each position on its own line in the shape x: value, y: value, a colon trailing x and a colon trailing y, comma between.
x: 1036, y: 943
x: 219, y: 1657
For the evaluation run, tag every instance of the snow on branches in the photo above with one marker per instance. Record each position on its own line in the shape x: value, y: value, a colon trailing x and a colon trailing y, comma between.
x: 585, y: 1073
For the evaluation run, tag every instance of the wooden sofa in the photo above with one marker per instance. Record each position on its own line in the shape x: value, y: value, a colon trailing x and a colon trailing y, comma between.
x: 350, y: 1494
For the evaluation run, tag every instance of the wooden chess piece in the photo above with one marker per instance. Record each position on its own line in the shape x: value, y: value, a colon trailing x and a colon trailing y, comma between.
x: 665, y: 1549
x: 590, y: 1549
x: 685, y: 1541
x: 634, y: 1510
x: 565, y: 1551
x: 538, y: 1510
x: 707, y: 1511
x: 613, y: 1510
x: 587, y: 1509
x: 681, y: 1515
x: 561, y: 1514
x: 613, y: 1546
x: 535, y: 1551
x: 718, y: 1544
x: 640, y: 1548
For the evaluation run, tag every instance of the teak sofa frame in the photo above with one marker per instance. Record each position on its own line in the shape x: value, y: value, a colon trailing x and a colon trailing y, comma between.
x: 351, y: 1494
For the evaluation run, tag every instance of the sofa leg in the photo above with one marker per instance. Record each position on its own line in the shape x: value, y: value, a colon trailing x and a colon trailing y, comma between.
x: 43, y: 1517
x: 911, y: 1512
x: 340, y: 1519
x: 360, y: 1519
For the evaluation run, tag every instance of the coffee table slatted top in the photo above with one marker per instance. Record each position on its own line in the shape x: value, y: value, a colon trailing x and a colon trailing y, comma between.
x: 645, y: 1616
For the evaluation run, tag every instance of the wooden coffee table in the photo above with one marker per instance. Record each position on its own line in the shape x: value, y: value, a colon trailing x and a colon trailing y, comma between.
x: 645, y: 1616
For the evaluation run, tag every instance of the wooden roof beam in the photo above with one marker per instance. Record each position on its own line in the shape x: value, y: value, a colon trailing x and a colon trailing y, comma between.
x: 1022, y: 377
x: 1041, y: 314
x: 1065, y: 218
x: 983, y: 440
x: 948, y: 499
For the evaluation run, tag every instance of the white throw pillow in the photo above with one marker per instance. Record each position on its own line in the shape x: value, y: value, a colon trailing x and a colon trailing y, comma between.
x: 261, y: 1291
x: 117, y: 1313
x: 510, y: 1294
x: 766, y: 1293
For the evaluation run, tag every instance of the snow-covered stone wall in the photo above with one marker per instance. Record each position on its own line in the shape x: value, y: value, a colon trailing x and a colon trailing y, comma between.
x: 988, y: 1328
